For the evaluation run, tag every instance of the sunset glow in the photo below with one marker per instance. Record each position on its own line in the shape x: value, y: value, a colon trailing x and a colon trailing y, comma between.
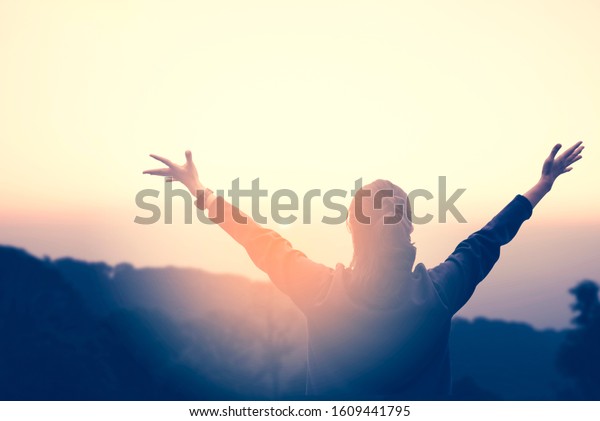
x: 307, y: 95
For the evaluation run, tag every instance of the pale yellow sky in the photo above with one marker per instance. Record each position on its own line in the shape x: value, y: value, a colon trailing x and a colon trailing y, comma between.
x: 310, y: 94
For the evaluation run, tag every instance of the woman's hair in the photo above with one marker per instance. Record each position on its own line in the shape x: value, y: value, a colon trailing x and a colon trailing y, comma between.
x: 380, y: 224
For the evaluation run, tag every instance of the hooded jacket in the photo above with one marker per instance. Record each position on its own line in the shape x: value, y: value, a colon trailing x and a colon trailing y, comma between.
x: 358, y: 351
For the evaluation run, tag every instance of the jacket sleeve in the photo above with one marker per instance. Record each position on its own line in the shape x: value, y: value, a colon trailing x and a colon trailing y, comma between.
x: 456, y: 278
x: 289, y: 269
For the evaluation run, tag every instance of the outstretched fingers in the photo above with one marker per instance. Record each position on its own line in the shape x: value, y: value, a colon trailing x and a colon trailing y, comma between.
x: 573, y: 156
x: 577, y: 152
x: 165, y: 161
x: 159, y: 171
x: 576, y: 147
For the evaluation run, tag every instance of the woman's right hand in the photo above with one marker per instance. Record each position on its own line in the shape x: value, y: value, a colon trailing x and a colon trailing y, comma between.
x: 553, y: 167
x: 186, y: 173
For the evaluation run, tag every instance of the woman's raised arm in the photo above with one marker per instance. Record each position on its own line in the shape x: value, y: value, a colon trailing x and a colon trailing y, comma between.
x: 457, y: 277
x: 289, y: 269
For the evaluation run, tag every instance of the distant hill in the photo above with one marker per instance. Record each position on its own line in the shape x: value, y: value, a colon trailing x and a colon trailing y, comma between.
x: 510, y: 360
x: 78, y: 330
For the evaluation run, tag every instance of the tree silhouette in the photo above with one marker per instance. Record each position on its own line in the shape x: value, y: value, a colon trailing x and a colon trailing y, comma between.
x: 579, y: 356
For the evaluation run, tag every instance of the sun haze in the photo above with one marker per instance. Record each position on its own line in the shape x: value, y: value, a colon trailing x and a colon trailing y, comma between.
x: 310, y: 95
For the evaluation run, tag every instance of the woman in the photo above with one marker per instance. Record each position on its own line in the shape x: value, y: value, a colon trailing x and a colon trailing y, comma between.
x: 377, y: 329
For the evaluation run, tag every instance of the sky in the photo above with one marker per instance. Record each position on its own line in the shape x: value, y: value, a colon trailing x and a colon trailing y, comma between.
x: 303, y: 95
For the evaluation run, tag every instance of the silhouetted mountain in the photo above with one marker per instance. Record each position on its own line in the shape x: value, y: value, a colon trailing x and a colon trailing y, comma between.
x: 55, y: 349
x: 510, y: 360
x: 79, y: 330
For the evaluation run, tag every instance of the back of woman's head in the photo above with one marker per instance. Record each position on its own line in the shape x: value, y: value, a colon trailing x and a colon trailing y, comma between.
x: 379, y: 221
